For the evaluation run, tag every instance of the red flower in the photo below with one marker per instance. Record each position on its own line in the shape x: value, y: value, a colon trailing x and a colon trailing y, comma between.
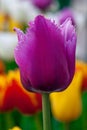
x: 17, y: 97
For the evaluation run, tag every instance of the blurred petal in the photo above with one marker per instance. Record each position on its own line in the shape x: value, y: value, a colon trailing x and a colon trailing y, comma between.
x: 42, y: 4
x: 12, y: 93
x: 82, y: 66
x: 72, y: 96
x: 15, y: 128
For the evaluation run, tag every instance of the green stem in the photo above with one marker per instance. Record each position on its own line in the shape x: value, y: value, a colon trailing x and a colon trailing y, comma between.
x: 46, y: 111
x: 7, y: 121
x: 38, y: 121
x: 66, y: 126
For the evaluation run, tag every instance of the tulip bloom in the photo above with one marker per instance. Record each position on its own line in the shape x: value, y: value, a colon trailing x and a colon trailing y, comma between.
x: 14, y: 96
x: 45, y: 55
x: 42, y: 4
x: 67, y: 105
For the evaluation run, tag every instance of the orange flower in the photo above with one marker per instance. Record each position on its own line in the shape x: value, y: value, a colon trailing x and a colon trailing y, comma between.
x: 82, y: 66
x: 2, y: 67
x: 17, y: 97
x: 3, y: 89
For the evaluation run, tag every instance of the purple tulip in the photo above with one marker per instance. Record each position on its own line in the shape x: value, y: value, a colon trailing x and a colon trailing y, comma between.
x: 42, y: 4
x: 45, y: 55
x: 66, y: 13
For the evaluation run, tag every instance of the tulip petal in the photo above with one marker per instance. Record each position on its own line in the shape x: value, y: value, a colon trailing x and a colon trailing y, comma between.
x: 68, y: 32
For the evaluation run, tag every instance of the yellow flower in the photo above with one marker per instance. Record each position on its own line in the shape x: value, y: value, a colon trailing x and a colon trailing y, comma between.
x: 13, y: 23
x: 15, y: 128
x: 67, y: 105
x: 7, y: 23
x: 1, y: 21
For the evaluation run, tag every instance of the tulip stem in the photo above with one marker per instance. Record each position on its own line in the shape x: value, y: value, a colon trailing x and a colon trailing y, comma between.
x: 66, y: 126
x: 46, y: 111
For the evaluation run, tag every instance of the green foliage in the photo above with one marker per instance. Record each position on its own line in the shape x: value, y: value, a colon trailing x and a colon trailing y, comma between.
x: 63, y: 3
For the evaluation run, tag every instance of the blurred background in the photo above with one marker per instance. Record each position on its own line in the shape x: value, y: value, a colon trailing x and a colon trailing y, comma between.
x: 22, y: 110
